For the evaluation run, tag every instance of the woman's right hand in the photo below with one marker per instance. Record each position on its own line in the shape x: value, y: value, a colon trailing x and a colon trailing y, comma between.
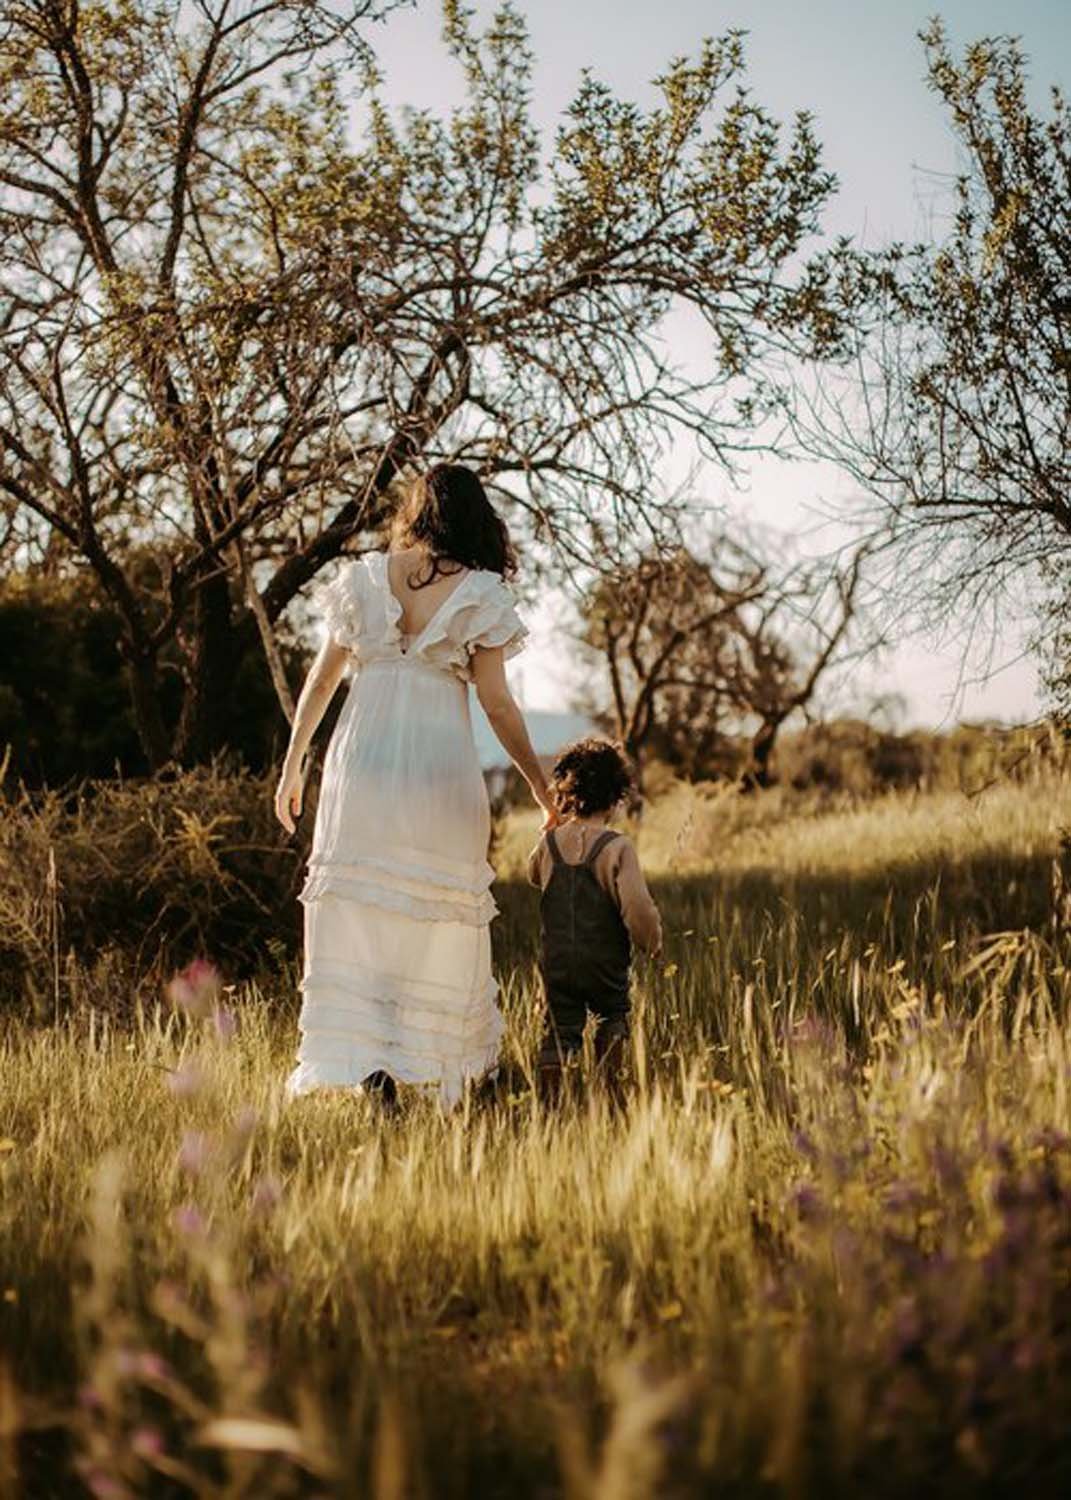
x: 289, y: 795
x: 551, y: 815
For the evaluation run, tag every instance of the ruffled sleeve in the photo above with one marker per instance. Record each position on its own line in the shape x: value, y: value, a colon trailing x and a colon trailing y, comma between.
x: 482, y: 613
x: 337, y: 607
x: 493, y: 619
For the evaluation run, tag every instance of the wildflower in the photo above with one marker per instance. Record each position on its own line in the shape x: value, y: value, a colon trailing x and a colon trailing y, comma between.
x: 266, y: 1194
x: 224, y: 1022
x: 808, y: 1201
x: 901, y: 1197
x: 194, y: 988
x: 153, y: 1366
x: 103, y: 1487
x: 193, y: 1153
x: 809, y: 1031
x: 804, y: 1145
x: 147, y: 1442
x: 186, y: 1080
x: 188, y: 1220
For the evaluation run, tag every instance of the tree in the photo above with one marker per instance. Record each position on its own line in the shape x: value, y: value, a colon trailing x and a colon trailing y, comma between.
x: 663, y: 627
x: 706, y: 659
x: 960, y: 418
x: 65, y: 712
x: 774, y: 675
x: 232, y: 325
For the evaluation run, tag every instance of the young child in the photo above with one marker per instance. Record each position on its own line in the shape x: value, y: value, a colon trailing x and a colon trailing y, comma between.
x: 595, y: 906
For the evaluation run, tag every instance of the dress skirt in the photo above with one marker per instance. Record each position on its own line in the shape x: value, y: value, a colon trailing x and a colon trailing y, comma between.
x: 397, y: 972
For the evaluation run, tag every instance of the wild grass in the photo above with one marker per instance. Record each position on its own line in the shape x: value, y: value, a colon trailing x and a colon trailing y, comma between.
x: 823, y: 1246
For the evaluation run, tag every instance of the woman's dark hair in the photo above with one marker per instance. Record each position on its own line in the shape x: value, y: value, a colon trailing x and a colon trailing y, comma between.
x: 591, y: 776
x: 449, y: 513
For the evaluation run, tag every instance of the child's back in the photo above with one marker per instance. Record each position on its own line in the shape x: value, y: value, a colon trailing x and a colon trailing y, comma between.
x: 595, y: 906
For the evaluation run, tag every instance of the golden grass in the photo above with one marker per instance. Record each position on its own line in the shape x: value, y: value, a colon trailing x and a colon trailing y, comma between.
x: 822, y: 1247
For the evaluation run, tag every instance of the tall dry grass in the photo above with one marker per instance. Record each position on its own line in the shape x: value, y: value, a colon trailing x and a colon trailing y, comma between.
x: 824, y: 1246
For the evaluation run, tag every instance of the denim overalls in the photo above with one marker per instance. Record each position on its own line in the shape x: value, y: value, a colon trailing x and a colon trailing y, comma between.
x: 586, y: 956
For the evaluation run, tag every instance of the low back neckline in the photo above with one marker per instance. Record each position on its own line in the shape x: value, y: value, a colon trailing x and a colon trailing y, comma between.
x: 413, y: 639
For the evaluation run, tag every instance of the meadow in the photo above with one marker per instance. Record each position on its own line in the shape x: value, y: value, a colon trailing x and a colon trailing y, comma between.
x: 821, y: 1246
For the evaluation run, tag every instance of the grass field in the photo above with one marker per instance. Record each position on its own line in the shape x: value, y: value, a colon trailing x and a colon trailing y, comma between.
x: 824, y: 1247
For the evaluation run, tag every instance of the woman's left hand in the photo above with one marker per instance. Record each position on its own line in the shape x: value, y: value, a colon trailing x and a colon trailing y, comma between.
x: 289, y: 795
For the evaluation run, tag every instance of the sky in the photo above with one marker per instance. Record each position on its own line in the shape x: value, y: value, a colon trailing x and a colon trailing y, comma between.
x: 858, y: 68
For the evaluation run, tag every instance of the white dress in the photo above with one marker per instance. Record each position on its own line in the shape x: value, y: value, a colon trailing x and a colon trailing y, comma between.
x: 397, y: 901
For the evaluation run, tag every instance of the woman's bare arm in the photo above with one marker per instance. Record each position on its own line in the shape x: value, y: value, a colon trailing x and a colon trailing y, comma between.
x: 325, y: 674
x: 507, y: 721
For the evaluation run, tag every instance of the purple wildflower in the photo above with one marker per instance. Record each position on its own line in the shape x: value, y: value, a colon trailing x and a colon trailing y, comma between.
x: 147, y: 1442
x: 185, y: 1081
x: 188, y: 1220
x: 266, y: 1194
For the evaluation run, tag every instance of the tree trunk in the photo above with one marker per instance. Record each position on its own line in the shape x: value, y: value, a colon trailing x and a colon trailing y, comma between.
x: 143, y: 678
x: 211, y: 654
x: 758, y: 775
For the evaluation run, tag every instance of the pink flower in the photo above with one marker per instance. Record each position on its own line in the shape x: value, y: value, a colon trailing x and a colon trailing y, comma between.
x: 224, y: 1022
x: 188, y: 1220
x: 193, y: 1153
x: 103, y: 1487
x: 186, y: 1080
x: 194, y: 988
x: 147, y: 1442
x: 266, y: 1194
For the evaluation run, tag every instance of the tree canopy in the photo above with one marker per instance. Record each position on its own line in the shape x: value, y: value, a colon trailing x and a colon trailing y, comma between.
x: 960, y: 418
x: 243, y: 301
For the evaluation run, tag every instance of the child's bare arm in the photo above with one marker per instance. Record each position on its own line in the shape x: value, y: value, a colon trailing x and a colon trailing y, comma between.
x: 636, y: 903
x: 534, y: 866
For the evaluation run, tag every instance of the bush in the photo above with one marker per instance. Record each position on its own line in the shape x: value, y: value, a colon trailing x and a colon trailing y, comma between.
x: 64, y: 697
x: 853, y: 757
x: 136, y: 877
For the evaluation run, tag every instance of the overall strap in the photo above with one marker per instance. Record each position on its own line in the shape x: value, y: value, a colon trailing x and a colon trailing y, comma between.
x: 552, y: 845
x: 606, y: 837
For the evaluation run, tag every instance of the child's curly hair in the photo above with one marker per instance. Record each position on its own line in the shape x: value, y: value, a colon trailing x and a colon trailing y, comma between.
x: 590, y: 776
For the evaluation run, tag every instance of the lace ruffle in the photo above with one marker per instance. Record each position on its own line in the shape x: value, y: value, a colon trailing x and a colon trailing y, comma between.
x: 440, y: 904
x: 340, y: 999
x: 359, y: 1061
x: 410, y: 873
x: 431, y: 1051
x: 369, y: 1021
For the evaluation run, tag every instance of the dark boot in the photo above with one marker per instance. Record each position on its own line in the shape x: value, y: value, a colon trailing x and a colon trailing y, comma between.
x: 381, y: 1087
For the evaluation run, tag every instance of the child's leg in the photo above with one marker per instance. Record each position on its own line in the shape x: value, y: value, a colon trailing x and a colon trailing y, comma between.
x: 562, y: 1040
x: 612, y: 1050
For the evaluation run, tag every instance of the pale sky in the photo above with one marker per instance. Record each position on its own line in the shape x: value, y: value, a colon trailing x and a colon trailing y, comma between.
x: 858, y: 67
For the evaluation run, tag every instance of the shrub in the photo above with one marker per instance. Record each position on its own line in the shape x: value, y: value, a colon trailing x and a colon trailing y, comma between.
x: 64, y: 699
x: 137, y: 876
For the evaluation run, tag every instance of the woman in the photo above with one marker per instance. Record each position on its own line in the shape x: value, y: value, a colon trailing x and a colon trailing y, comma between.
x: 397, y: 982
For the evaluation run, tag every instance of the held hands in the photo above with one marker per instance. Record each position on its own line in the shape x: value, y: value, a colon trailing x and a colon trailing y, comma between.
x: 288, y: 797
x: 551, y: 816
